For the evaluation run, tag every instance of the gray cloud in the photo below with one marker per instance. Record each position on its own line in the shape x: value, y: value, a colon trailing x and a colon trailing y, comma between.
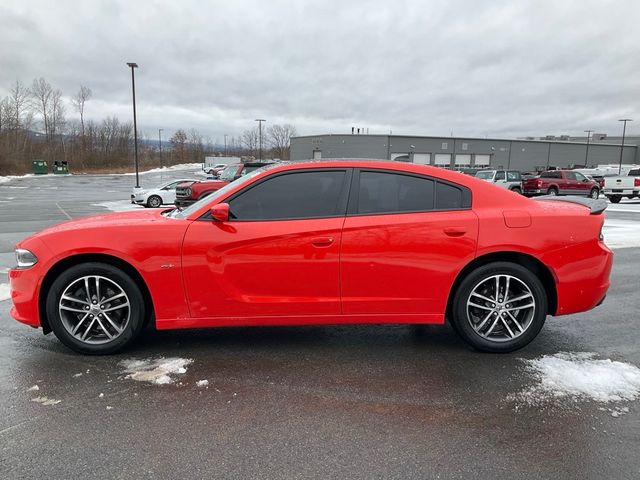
x: 497, y: 68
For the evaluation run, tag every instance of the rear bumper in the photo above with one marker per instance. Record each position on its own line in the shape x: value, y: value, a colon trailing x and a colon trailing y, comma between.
x: 582, y: 279
x: 532, y: 192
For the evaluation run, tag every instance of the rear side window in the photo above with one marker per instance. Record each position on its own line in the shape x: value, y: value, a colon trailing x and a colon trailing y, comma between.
x: 448, y: 197
x: 635, y: 172
x: 390, y: 192
x: 514, y: 176
x: 550, y: 174
x: 289, y: 196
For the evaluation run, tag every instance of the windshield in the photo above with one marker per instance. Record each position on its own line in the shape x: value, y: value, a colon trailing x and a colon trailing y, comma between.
x: 486, y: 175
x: 211, y: 198
x: 229, y: 173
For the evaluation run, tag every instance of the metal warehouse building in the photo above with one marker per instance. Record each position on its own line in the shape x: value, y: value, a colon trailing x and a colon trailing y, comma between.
x: 462, y: 153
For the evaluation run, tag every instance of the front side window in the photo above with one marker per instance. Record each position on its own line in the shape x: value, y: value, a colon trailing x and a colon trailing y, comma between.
x: 486, y: 174
x: 570, y: 176
x: 390, y: 192
x: 314, y: 194
x: 580, y: 177
x: 229, y: 173
x: 500, y: 176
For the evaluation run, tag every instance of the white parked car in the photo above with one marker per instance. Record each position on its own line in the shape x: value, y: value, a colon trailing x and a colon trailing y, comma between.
x: 622, y: 186
x: 164, y: 194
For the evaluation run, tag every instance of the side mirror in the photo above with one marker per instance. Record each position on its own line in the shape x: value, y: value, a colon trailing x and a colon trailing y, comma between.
x: 220, y: 212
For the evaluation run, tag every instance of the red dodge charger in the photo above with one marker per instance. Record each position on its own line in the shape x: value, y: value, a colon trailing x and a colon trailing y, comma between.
x: 331, y: 242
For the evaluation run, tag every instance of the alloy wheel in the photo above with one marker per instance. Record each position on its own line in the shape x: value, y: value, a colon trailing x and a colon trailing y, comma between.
x: 94, y: 309
x: 500, y: 308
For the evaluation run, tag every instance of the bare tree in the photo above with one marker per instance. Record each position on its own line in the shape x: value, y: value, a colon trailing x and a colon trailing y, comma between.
x: 83, y: 95
x: 195, y: 145
x: 279, y: 138
x: 41, y: 93
x: 179, y: 141
x: 249, y: 140
x: 57, y: 118
x: 18, y: 109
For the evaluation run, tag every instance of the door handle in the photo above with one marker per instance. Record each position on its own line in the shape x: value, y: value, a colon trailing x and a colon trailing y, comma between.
x: 322, y: 241
x: 455, y: 231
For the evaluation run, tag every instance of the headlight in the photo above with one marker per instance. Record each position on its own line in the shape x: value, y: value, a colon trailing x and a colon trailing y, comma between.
x: 25, y: 259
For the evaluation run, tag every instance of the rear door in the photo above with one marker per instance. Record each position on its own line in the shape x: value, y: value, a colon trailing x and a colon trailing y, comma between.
x: 404, y: 240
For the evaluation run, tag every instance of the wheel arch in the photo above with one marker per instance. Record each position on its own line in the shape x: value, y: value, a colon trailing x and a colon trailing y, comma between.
x: 527, y: 261
x: 73, y: 260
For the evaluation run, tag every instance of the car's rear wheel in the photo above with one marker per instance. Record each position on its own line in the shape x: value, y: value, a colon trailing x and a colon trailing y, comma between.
x: 95, y: 308
x: 154, y: 201
x: 594, y: 193
x: 552, y: 191
x: 615, y: 198
x: 499, y: 307
x: 517, y: 190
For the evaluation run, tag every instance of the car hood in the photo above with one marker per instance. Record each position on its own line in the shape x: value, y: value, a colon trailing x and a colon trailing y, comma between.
x: 124, y: 219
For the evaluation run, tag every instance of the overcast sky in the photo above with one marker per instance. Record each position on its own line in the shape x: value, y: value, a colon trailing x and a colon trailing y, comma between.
x: 475, y: 68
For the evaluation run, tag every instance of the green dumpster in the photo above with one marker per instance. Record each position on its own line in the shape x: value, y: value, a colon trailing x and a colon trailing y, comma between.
x: 60, y: 167
x: 39, y: 167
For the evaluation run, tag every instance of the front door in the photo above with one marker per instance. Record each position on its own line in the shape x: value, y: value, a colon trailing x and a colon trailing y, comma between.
x: 404, y: 240
x: 278, y: 254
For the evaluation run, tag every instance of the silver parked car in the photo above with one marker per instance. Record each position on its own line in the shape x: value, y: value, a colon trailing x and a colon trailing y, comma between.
x: 509, y: 179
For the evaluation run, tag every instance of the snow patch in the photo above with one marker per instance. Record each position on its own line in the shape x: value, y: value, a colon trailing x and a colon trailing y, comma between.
x: 118, y: 205
x: 46, y: 401
x: 580, y: 376
x: 202, y: 383
x: 5, y: 294
x: 33, y: 389
x: 159, y: 371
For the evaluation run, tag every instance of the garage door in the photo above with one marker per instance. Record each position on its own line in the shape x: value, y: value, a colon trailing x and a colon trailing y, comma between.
x: 422, y: 158
x: 482, y: 160
x: 317, y: 154
x: 463, y: 160
x: 443, y: 159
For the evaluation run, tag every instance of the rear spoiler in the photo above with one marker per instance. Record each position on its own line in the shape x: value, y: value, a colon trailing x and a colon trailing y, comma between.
x: 596, y: 206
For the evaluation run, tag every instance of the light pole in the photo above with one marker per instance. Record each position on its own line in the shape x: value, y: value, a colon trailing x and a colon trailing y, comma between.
x: 586, y: 155
x: 624, y: 130
x: 135, y: 126
x: 225, y: 144
x: 160, y: 144
x: 260, y: 120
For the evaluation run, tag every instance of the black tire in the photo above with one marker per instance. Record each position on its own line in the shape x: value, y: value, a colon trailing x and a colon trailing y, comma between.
x: 594, y: 193
x: 552, y: 191
x: 154, y: 201
x: 517, y: 190
x: 463, y: 323
x: 615, y: 198
x: 131, y: 328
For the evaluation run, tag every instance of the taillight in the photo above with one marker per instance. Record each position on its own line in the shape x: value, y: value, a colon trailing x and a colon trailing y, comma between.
x: 636, y: 182
x: 538, y: 183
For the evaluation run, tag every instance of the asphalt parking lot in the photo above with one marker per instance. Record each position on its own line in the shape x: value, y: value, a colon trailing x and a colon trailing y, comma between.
x: 314, y: 402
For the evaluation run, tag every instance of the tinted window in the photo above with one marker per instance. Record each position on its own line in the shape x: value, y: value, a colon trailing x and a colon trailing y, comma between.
x: 500, y: 176
x: 634, y: 172
x: 550, y: 175
x: 448, y: 197
x: 514, y: 176
x: 292, y: 195
x: 570, y: 176
x: 390, y: 192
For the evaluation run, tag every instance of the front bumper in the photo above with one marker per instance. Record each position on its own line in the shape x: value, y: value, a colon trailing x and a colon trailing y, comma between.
x: 24, y: 287
x: 184, y: 202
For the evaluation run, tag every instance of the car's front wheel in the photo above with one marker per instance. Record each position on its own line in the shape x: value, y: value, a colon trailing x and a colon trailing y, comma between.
x: 499, y: 307
x: 95, y: 308
x: 154, y: 201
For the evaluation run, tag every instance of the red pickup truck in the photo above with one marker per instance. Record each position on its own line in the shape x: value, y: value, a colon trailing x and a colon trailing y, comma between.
x: 190, y: 192
x: 561, y: 182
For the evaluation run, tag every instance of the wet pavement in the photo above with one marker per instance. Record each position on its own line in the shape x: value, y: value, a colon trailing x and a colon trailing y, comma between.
x: 314, y: 402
